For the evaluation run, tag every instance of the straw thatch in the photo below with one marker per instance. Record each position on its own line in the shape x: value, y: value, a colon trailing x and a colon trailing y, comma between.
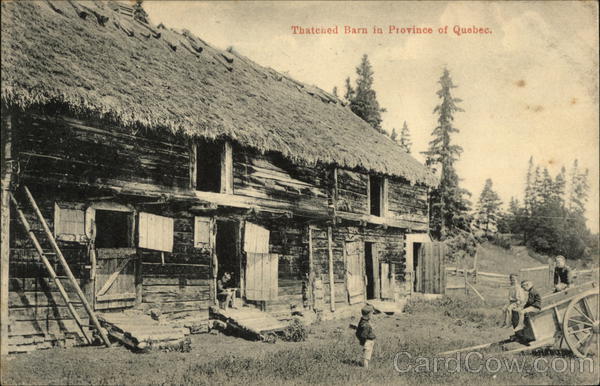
x: 95, y: 61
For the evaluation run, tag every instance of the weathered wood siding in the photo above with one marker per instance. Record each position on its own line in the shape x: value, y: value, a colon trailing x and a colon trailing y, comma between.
x: 288, y: 240
x: 389, y: 247
x: 68, y: 150
x: 406, y: 201
x: 271, y: 177
x: 352, y: 192
x: 183, y: 284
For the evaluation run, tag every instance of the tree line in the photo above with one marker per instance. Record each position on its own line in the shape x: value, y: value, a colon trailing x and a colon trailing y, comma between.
x: 551, y: 218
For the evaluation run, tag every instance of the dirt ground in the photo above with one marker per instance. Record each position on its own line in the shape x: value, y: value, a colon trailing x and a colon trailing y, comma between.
x: 328, y: 356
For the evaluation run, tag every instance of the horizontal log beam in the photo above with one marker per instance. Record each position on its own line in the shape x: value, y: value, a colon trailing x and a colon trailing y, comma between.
x: 370, y: 219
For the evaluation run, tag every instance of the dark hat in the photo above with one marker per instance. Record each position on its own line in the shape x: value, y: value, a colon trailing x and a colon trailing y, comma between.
x: 366, y: 310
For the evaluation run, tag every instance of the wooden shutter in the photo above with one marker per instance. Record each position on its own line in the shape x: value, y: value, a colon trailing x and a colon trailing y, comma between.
x: 262, y: 267
x: 202, y: 232
x: 432, y: 270
x: 155, y: 232
x: 355, y: 271
x: 69, y: 222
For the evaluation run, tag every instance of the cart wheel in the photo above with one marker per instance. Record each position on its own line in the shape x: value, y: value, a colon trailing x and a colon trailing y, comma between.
x: 580, y: 324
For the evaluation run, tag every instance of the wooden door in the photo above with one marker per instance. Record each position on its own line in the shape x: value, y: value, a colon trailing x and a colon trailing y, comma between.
x: 431, y: 274
x: 355, y: 275
x: 262, y: 267
x: 114, y: 284
x: 388, y: 283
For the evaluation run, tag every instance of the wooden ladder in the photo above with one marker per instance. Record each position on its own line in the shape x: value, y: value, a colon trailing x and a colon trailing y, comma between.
x: 65, y: 266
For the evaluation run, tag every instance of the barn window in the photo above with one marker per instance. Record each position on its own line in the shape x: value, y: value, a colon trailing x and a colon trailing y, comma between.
x: 69, y: 222
x: 377, y: 196
x: 212, y: 168
x: 114, y: 229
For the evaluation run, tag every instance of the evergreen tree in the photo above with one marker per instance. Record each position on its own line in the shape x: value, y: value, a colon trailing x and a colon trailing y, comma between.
x: 335, y: 91
x: 448, y: 207
x: 550, y: 223
x: 363, y: 99
x: 405, y: 142
x: 578, y: 190
x: 529, y: 189
x: 139, y: 13
x: 349, y: 94
x: 537, y: 187
x: 515, y: 216
x: 558, y: 187
x: 488, y: 209
x: 394, y: 135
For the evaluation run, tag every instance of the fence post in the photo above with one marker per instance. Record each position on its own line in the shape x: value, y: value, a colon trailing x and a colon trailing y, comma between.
x: 475, y: 264
x: 464, y: 264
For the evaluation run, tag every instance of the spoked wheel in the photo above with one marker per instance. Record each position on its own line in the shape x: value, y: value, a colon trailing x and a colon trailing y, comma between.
x: 580, y: 324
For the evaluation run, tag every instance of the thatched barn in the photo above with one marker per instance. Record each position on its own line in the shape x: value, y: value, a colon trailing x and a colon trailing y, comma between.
x: 160, y: 162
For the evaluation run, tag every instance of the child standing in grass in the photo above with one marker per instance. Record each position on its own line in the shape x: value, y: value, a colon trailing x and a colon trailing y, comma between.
x: 366, y: 335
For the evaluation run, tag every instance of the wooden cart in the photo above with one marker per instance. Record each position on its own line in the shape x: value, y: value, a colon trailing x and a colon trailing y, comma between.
x: 568, y: 318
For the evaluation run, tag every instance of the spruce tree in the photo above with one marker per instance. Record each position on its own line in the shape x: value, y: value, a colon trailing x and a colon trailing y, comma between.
x: 578, y: 192
x: 363, y: 99
x: 488, y: 209
x: 529, y: 190
x: 349, y: 94
x: 139, y: 13
x: 553, y: 221
x: 405, y: 142
x: 335, y: 91
x: 394, y: 135
x: 448, y: 207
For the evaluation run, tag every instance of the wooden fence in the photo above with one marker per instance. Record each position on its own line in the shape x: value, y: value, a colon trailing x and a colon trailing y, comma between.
x: 542, y: 276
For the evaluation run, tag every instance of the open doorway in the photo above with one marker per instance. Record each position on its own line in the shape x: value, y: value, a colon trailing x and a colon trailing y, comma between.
x: 227, y: 245
x: 114, y: 229
x: 370, y: 271
x: 416, y: 250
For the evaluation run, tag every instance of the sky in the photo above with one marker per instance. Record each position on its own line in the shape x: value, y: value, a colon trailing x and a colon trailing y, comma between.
x: 528, y: 88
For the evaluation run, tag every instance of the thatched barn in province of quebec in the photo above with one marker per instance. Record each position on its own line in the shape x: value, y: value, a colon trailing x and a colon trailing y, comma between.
x: 160, y: 162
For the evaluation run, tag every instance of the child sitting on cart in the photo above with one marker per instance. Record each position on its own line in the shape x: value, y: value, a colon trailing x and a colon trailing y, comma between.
x: 516, y: 299
x: 533, y: 303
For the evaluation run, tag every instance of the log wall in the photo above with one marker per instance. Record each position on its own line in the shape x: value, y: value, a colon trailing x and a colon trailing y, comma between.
x: 182, y: 286
x: 57, y: 152
x: 352, y: 192
x: 407, y: 202
x: 288, y: 239
x: 68, y: 150
x: 271, y: 177
x: 390, y: 248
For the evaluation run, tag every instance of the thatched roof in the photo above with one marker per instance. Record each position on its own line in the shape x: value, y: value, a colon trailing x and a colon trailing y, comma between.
x: 96, y: 61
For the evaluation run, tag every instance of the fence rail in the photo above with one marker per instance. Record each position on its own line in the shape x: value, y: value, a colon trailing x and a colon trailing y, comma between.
x: 542, y: 276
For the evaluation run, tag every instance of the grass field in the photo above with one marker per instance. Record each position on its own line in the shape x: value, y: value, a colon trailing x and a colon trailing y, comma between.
x: 328, y: 356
